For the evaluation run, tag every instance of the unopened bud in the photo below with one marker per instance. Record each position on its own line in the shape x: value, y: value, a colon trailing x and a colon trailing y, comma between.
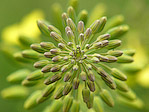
x: 67, y: 88
x: 54, y: 29
x: 47, y: 68
x: 55, y: 51
x: 56, y: 36
x: 75, y: 67
x: 125, y: 59
x: 76, y: 83
x: 95, y: 60
x: 48, y: 55
x: 47, y: 45
x: 83, y: 16
x: 40, y: 64
x: 71, y: 24
x: 56, y: 58
x: 91, y: 76
x: 91, y: 85
x: 59, y: 93
x: 87, y: 33
x: 64, y: 68
x: 36, y: 75
x: 111, y: 59
x: 64, y: 18
x: 38, y: 48
x: 113, y: 44
x: 55, y: 68
x: 103, y: 37
x: 95, y: 26
x: 116, y: 53
x: 67, y: 104
x: 67, y: 76
x: 83, y: 76
x: 81, y: 27
x: 30, y: 54
x: 85, y: 95
x: 48, y: 90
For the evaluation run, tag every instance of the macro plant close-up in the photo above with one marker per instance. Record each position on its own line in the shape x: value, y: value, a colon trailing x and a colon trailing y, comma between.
x: 81, y: 59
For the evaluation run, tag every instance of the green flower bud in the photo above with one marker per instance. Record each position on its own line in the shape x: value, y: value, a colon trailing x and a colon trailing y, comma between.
x: 85, y: 95
x: 118, y: 74
x: 14, y: 92
x: 18, y: 56
x: 47, y: 45
x: 74, y: 4
x: 98, y: 106
x: 67, y: 76
x: 97, y: 45
x: 83, y: 16
x: 37, y: 47
x: 40, y: 64
x: 31, y: 101
x: 111, y: 85
x: 71, y: 24
x: 70, y: 35
x: 26, y: 41
x: 83, y: 75
x: 103, y: 21
x: 107, y: 98
x: 48, y: 55
x: 113, y: 44
x: 122, y: 86
x: 80, y: 27
x: 95, y: 26
x: 125, y: 59
x: 116, y: 53
x: 59, y: 93
x: 48, y: 90
x: 64, y: 18
x: 130, y: 95
x: 27, y: 83
x: 55, y: 51
x: 54, y: 29
x: 67, y: 104
x: 18, y: 76
x: 52, y: 79
x: 117, y: 32
x: 71, y: 13
x: 62, y: 46
x: 56, y: 58
x: 91, y: 76
x: 43, y: 26
x: 30, y: 54
x: 64, y: 68
x: 36, y: 75
x: 111, y: 59
x: 47, y: 68
x: 91, y: 100
x: 76, y: 83
x: 56, y: 36
x: 103, y: 37
x: 75, y: 106
x: 67, y: 88
x: 129, y: 52
x: 75, y: 67
x: 87, y: 46
x: 87, y: 33
x: 95, y: 60
x: 55, y: 68
x: 104, y: 43
x: 41, y: 99
x: 101, y: 72
x: 91, y: 86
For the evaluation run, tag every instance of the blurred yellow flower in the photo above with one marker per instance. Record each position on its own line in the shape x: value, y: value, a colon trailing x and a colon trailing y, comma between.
x: 27, y: 27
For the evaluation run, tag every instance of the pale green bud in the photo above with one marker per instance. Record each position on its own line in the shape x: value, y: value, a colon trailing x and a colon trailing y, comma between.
x: 83, y: 16
x: 64, y: 68
x: 104, y: 43
x: 56, y: 68
x: 101, y: 72
x: 71, y: 13
x: 67, y: 88
x: 56, y: 58
x: 71, y: 24
x: 91, y: 100
x: 85, y: 95
x: 59, y: 93
x: 125, y: 59
x: 41, y: 63
x: 56, y: 36
x: 62, y: 46
x: 75, y: 67
x: 118, y: 74
x: 31, y: 101
x: 103, y: 37
x: 129, y: 52
x: 38, y: 48
x: 18, y: 56
x: 14, y: 92
x: 74, y: 4
x: 98, y: 106
x: 75, y: 106
x: 48, y: 90
x: 116, y: 53
x: 47, y: 68
x: 18, y: 76
x: 111, y: 59
x: 64, y: 18
x: 103, y: 21
x: 48, y: 54
x: 70, y: 35
x: 80, y: 27
x: 30, y: 54
x: 36, y: 75
x: 27, y: 83
x: 47, y: 45
x: 76, y: 83
x: 121, y: 85
x: 91, y: 76
x: 67, y: 76
x: 91, y: 85
x: 95, y: 60
x: 95, y: 26
x: 67, y: 104
x: 113, y: 44
x: 52, y: 79
x: 55, y: 51
x: 107, y: 98
x: 41, y: 99
x: 26, y: 41
x: 54, y: 29
x: 83, y: 75
x: 87, y: 33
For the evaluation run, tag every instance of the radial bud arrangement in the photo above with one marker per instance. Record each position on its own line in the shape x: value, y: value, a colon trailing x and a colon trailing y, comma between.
x: 80, y: 66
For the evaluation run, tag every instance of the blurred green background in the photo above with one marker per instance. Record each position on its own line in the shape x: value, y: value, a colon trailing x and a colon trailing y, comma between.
x: 136, y: 13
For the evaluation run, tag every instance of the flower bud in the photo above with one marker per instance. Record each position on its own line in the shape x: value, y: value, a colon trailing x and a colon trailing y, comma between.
x: 14, y: 92
x: 91, y: 76
x: 31, y: 101
x: 47, y: 68
x: 67, y: 88
x: 75, y: 67
x: 125, y: 59
x: 103, y: 21
x: 95, y: 60
x: 83, y: 16
x: 101, y: 72
x: 55, y: 51
x: 98, y: 106
x: 37, y: 48
x: 81, y: 37
x: 64, y: 68
x: 62, y: 46
x: 36, y: 75
x: 75, y: 106
x: 52, y: 79
x: 111, y: 59
x: 76, y: 83
x: 54, y: 29
x: 91, y: 85
x: 106, y: 97
x: 71, y: 13
x: 27, y: 83
x: 67, y: 104
x: 48, y: 90
x: 81, y: 27
x: 95, y: 26
x: 129, y: 52
x: 83, y: 75
x: 40, y: 64
x: 91, y: 100
x: 121, y: 85
x: 56, y: 36
x: 64, y: 18
x: 104, y: 43
x: 56, y: 58
x: 118, y: 74
x: 43, y: 26
x: 70, y: 35
x: 59, y: 93
x: 18, y: 76
x: 87, y: 33
x: 116, y: 53
x: 85, y: 95
x: 70, y: 44
x: 30, y: 54
x: 103, y: 58
x: 71, y: 24
x: 48, y: 55
x: 67, y: 76
x: 103, y: 37
x: 113, y: 44
x: 41, y: 99
x: 47, y: 45
x: 111, y: 85
x: 89, y: 66
x: 117, y: 32
x: 18, y: 57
